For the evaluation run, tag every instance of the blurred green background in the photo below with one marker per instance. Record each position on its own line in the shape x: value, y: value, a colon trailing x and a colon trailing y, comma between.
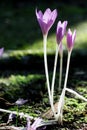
x: 22, y: 39
x: 19, y: 29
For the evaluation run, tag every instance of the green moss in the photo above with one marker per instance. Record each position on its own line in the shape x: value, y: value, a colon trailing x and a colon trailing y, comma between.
x: 19, y: 54
x: 75, y: 111
x: 15, y: 86
x: 20, y: 86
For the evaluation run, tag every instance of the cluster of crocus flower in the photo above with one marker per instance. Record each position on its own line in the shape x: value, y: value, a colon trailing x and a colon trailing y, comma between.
x: 46, y: 21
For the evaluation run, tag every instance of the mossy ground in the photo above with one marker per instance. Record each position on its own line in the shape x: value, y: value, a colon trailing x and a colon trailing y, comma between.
x: 75, y: 110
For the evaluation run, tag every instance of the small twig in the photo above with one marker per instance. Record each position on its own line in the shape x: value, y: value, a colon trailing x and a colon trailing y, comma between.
x: 3, y: 124
x: 43, y: 123
x: 16, y: 113
x: 12, y: 128
x: 78, y: 95
x: 46, y: 123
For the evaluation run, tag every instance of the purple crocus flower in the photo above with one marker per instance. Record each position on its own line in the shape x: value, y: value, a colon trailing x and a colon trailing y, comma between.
x: 20, y: 101
x: 1, y: 51
x: 35, y: 125
x: 70, y: 39
x: 60, y: 32
x: 46, y: 20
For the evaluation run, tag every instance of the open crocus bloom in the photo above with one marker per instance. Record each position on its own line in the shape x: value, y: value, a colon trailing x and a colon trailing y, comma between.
x: 70, y: 39
x: 46, y: 20
x: 1, y: 51
x: 60, y: 32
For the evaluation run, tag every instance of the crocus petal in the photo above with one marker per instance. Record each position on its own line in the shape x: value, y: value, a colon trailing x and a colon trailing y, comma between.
x: 46, y: 16
x: 54, y: 15
x: 73, y: 37
x: 64, y: 26
x: 20, y: 101
x: 1, y: 51
x: 59, y: 35
x: 43, y: 25
x: 49, y: 25
x: 36, y: 123
x: 40, y: 14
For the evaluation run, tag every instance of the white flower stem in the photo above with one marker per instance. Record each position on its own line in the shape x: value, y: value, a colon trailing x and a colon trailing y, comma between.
x: 54, y: 72
x: 60, y: 72
x: 45, y: 63
x: 67, y: 69
x: 61, y: 100
x: 75, y: 93
x: 46, y: 71
x: 60, y: 107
